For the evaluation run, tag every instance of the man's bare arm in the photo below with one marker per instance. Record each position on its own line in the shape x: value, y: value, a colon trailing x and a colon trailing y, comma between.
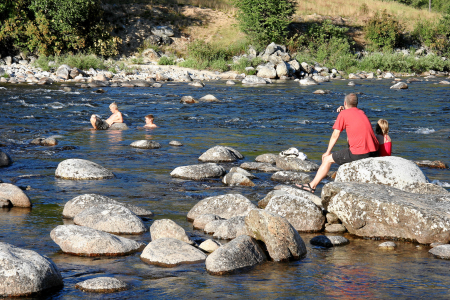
x: 334, y: 137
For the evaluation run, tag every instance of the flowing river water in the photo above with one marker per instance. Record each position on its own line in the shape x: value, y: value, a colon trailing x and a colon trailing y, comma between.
x: 251, y: 119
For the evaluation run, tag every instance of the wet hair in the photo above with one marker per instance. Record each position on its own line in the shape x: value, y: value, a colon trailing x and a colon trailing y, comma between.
x: 149, y: 117
x: 351, y: 100
x: 382, y: 127
x: 113, y: 105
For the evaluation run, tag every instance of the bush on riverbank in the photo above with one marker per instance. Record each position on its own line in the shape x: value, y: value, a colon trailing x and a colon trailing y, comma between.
x: 80, y: 61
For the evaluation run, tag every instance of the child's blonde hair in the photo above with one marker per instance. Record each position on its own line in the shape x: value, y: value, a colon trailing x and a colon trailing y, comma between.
x: 113, y: 105
x: 382, y: 127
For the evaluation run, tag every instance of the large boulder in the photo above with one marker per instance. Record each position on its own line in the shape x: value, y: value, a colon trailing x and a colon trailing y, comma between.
x: 166, y: 228
x: 291, y: 177
x: 220, y: 154
x: 267, y: 72
x: 82, y: 202
x: 5, y: 159
x: 388, y: 170
x: 14, y: 194
x: 25, y: 272
x: 281, y: 239
x: 102, y: 285
x: 63, y: 72
x: 111, y: 218
x: 81, y: 169
x: 242, y: 252
x: 198, y: 172
x: 300, y: 193
x: 231, y: 228
x: 169, y: 252
x: 372, y: 210
x: 296, y: 164
x: 301, y: 212
x: 85, y: 241
x: 224, y: 206
x: 282, y: 69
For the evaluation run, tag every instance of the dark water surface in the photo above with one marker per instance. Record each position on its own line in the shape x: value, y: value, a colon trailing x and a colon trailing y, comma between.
x: 254, y: 120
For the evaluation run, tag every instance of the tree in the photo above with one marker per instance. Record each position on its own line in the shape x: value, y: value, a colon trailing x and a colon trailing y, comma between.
x: 265, y: 21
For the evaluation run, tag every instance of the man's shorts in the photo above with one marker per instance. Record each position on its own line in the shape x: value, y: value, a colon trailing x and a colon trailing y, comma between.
x: 345, y: 156
x: 100, y: 124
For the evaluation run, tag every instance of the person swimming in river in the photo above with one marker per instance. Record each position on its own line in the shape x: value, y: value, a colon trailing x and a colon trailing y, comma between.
x: 116, y: 117
x: 149, y: 122
x: 381, y: 131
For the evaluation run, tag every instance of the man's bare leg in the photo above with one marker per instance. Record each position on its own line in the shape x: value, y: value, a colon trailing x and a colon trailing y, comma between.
x: 321, y: 173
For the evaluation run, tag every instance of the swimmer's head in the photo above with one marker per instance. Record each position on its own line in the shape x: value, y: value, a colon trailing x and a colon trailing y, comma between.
x: 150, y: 117
x: 113, y: 106
x: 382, y: 127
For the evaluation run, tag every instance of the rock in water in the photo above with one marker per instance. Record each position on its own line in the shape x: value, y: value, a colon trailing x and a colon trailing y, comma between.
x: 85, y: 241
x: 5, y: 159
x: 267, y: 72
x: 230, y: 82
x: 372, y: 210
x: 118, y: 126
x: 307, y: 81
x: 224, y: 206
x: 329, y: 241
x: 198, y: 172
x: 210, y: 245
x: 145, y: 144
x: 437, y: 164
x: 82, y: 202
x: 291, y: 177
x: 301, y: 212
x: 111, y: 218
x: 296, y: 164
x: 220, y: 154
x: 209, y: 98
x: 166, y: 228
x: 231, y: 228
x: 253, y: 79
x: 102, y: 285
x: 45, y: 141
x: 24, y: 272
x: 267, y: 158
x: 399, y: 86
x: 388, y: 245
x: 242, y: 171
x: 14, y: 194
x: 442, y: 251
x: 81, y: 169
x: 282, y: 241
x: 169, y: 252
x: 201, y: 221
x: 242, y: 252
x: 237, y: 179
x: 175, y: 143
x: 259, y: 166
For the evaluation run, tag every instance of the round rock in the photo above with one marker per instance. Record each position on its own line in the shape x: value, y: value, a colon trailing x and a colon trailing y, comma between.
x: 118, y: 126
x: 198, y: 172
x: 175, y: 143
x: 14, y: 194
x: 169, y: 252
x: 335, y: 228
x: 81, y: 169
x: 220, y: 154
x: 233, y: 179
x: 230, y: 82
x: 267, y: 158
x: 24, y: 272
x: 145, y: 144
x: 442, y: 251
x: 102, y: 285
x: 166, y: 228
x: 209, y: 98
x: 210, y: 245
x: 201, y: 221
x: 5, y: 159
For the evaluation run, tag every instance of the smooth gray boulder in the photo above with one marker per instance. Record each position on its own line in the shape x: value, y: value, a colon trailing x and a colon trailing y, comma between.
x: 85, y: 241
x: 388, y: 170
x: 102, y: 285
x: 241, y: 253
x: 175, y: 143
x: 118, y: 126
x: 291, y: 177
x: 169, y: 252
x: 201, y: 221
x: 63, y: 72
x: 231, y: 228
x: 145, y: 144
x: 301, y: 212
x: 442, y: 251
x: 14, y: 194
x: 81, y: 169
x: 209, y: 98
x: 166, y: 228
x: 111, y: 218
x: 209, y: 245
x: 220, y: 154
x: 329, y: 241
x: 242, y: 171
x: 253, y: 79
x: 301, y: 193
x: 211, y: 227
x: 198, y: 172
x: 372, y: 210
x: 25, y: 272
x: 224, y: 206
x: 281, y: 239
x: 259, y: 166
x: 5, y: 159
x: 267, y: 72
x: 267, y: 158
x: 82, y: 202
x: 235, y: 178
x: 296, y: 164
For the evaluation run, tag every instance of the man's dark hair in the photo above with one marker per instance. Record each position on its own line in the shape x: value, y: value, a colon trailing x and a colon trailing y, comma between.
x: 149, y: 117
x: 351, y: 100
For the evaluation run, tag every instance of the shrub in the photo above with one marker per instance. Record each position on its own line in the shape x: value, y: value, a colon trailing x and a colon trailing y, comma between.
x: 165, y: 61
x: 80, y: 61
x: 383, y: 31
x: 434, y: 35
x: 265, y: 21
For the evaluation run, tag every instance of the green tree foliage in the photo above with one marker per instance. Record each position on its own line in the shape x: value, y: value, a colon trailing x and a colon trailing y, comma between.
x: 53, y: 26
x: 265, y: 21
x: 434, y: 35
x: 383, y: 31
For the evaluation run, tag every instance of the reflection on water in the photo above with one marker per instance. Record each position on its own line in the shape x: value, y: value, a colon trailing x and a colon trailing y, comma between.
x: 254, y: 120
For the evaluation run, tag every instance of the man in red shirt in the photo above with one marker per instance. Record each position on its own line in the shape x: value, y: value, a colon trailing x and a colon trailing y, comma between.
x: 361, y: 140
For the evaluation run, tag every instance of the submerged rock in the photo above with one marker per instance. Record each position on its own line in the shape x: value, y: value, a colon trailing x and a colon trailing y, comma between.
x: 281, y: 239
x: 145, y: 144
x: 220, y: 154
x: 224, y: 206
x: 44, y: 141
x: 329, y: 241
x: 81, y: 169
x: 14, y: 194
x: 442, y: 251
x: 25, y: 272
x: 169, y: 252
x: 85, y: 241
x: 5, y: 159
x: 372, y: 210
x: 198, y: 172
x: 242, y: 252
x: 102, y: 285
x: 166, y: 228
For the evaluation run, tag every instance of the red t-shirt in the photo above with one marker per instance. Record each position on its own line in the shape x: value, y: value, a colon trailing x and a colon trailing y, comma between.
x: 361, y: 137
